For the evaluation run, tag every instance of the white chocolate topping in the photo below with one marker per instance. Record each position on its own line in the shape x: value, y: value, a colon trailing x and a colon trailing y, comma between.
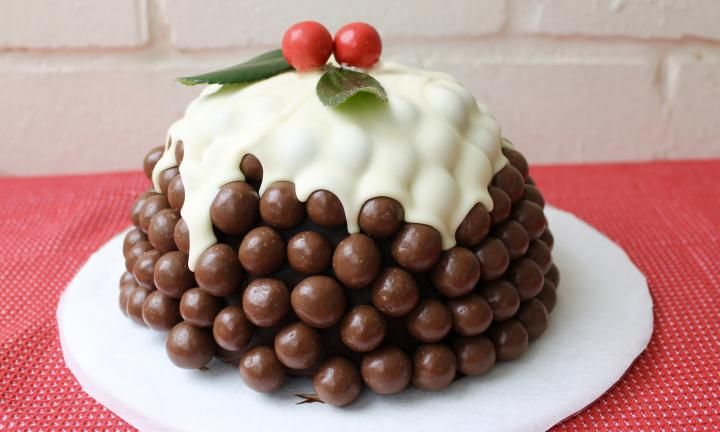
x: 431, y: 147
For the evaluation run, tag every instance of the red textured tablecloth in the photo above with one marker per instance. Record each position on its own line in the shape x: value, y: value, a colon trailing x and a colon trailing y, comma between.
x: 666, y: 215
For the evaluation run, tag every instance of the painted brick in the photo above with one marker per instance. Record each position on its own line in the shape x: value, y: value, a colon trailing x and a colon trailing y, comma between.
x: 225, y: 23
x: 73, y: 23
x: 635, y: 18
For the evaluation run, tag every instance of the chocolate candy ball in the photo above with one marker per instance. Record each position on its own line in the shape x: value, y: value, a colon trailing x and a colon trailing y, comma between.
x: 176, y: 193
x: 179, y: 152
x: 231, y: 328
x: 199, y: 308
x: 251, y: 168
x: 150, y: 208
x: 172, y: 276
x: 261, y: 370
x: 135, y: 301
x: 417, y: 247
x: 160, y: 312
x: 548, y: 296
x: 262, y: 251
x: 381, y: 217
x: 553, y: 275
x: 181, y: 235
x: 514, y: 237
x: 131, y: 238
x: 510, y: 181
x: 475, y: 355
x: 137, y: 206
x: 280, y: 207
x: 190, y: 347
x: 527, y: 278
x: 471, y: 315
x: 325, y: 209
x: 529, y: 180
x: 134, y: 253
x: 430, y: 321
x: 162, y: 229
x: 517, y: 160
x: 539, y: 252
x: 337, y: 382
x: 493, y: 257
x: 502, y: 298
x: 533, y: 194
x: 166, y: 177
x: 124, y: 295
x: 144, y: 266
x: 386, y: 370
x: 318, y: 301
x: 474, y: 228
x: 456, y: 273
x: 218, y: 271
x: 151, y: 159
x: 127, y: 278
x: 235, y: 208
x: 501, y: 205
x: 363, y: 329
x: 534, y: 317
x: 547, y: 238
x: 356, y: 260
x: 395, y: 292
x: 266, y: 301
x: 308, y: 252
x: 434, y: 367
x: 298, y: 346
x: 531, y: 217
x: 510, y: 339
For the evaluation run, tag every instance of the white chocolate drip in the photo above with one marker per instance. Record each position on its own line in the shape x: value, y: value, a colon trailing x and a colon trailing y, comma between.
x: 432, y: 147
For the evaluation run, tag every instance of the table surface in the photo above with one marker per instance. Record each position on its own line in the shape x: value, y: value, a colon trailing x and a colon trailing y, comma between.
x: 666, y: 215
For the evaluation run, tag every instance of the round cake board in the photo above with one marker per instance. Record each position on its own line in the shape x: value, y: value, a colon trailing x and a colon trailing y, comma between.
x: 602, y: 322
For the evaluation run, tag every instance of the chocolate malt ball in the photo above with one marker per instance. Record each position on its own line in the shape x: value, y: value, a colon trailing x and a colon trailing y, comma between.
x: 262, y: 251
x: 501, y: 205
x: 395, y: 292
x: 166, y: 177
x: 134, y: 253
x: 151, y: 159
x: 502, y: 298
x: 430, y: 321
x: 199, y: 308
x: 548, y: 296
x: 231, y: 328
x: 337, y: 382
x: 534, y: 317
x: 527, y: 278
x: 131, y: 238
x: 363, y: 328
x: 475, y: 355
x: 190, y: 347
x: 136, y: 298
x: 434, y: 367
x: 325, y: 209
x: 514, y: 237
x: 319, y: 301
x: 251, y: 168
x: 179, y: 152
x: 553, y: 275
x: 510, y: 339
x: 456, y: 273
x: 172, y: 276
x: 530, y: 181
x: 298, y: 346
x: 144, y: 268
x: 493, y: 257
x: 356, y: 261
x: 150, y: 208
x: 381, y: 217
x: 160, y: 312
x: 280, y: 207
x: 235, y: 208
x: 266, y: 301
x: 127, y: 278
x: 539, y: 252
x: 531, y: 217
x: 137, y: 206
x: 162, y: 230
x: 386, y: 370
x: 218, y: 271
x: 510, y: 181
x: 308, y: 252
x: 474, y: 228
x: 547, y: 238
x: 261, y: 370
x: 471, y: 315
x: 176, y: 193
x: 517, y: 160
x: 533, y: 194
x: 181, y: 235
x: 416, y: 247
x: 124, y: 295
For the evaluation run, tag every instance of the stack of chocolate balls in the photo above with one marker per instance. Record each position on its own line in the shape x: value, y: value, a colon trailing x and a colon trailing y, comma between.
x: 288, y: 291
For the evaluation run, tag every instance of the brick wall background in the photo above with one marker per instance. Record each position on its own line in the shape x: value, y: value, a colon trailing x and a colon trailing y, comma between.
x: 87, y: 85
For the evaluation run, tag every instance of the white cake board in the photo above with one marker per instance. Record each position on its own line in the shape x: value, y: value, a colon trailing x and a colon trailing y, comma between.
x: 602, y: 322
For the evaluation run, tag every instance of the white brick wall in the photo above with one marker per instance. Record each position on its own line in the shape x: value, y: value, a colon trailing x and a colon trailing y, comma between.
x: 88, y: 85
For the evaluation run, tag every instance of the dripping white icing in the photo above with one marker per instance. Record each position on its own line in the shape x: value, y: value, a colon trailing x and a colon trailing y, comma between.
x: 432, y: 147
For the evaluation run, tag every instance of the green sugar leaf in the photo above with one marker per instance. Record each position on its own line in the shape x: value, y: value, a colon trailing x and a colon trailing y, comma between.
x: 261, y: 67
x: 337, y: 85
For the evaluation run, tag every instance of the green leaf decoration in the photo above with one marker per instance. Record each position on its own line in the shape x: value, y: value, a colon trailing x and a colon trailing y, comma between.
x: 337, y: 85
x: 261, y: 67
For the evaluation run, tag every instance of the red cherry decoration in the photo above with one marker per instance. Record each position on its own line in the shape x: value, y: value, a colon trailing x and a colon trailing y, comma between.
x: 358, y: 44
x: 307, y: 45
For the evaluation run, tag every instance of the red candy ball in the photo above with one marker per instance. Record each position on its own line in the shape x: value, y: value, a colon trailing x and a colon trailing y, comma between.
x: 357, y: 44
x: 307, y: 45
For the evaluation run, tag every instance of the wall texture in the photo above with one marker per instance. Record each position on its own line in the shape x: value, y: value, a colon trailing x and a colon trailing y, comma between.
x: 87, y: 85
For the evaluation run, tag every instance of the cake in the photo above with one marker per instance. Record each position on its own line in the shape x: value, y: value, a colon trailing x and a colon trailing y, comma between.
x: 394, y: 239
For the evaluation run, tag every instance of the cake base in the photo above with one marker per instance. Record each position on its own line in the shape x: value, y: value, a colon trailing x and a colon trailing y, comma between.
x: 603, y: 320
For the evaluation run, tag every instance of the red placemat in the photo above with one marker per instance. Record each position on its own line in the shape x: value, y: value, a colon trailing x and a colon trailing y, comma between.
x: 666, y: 215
